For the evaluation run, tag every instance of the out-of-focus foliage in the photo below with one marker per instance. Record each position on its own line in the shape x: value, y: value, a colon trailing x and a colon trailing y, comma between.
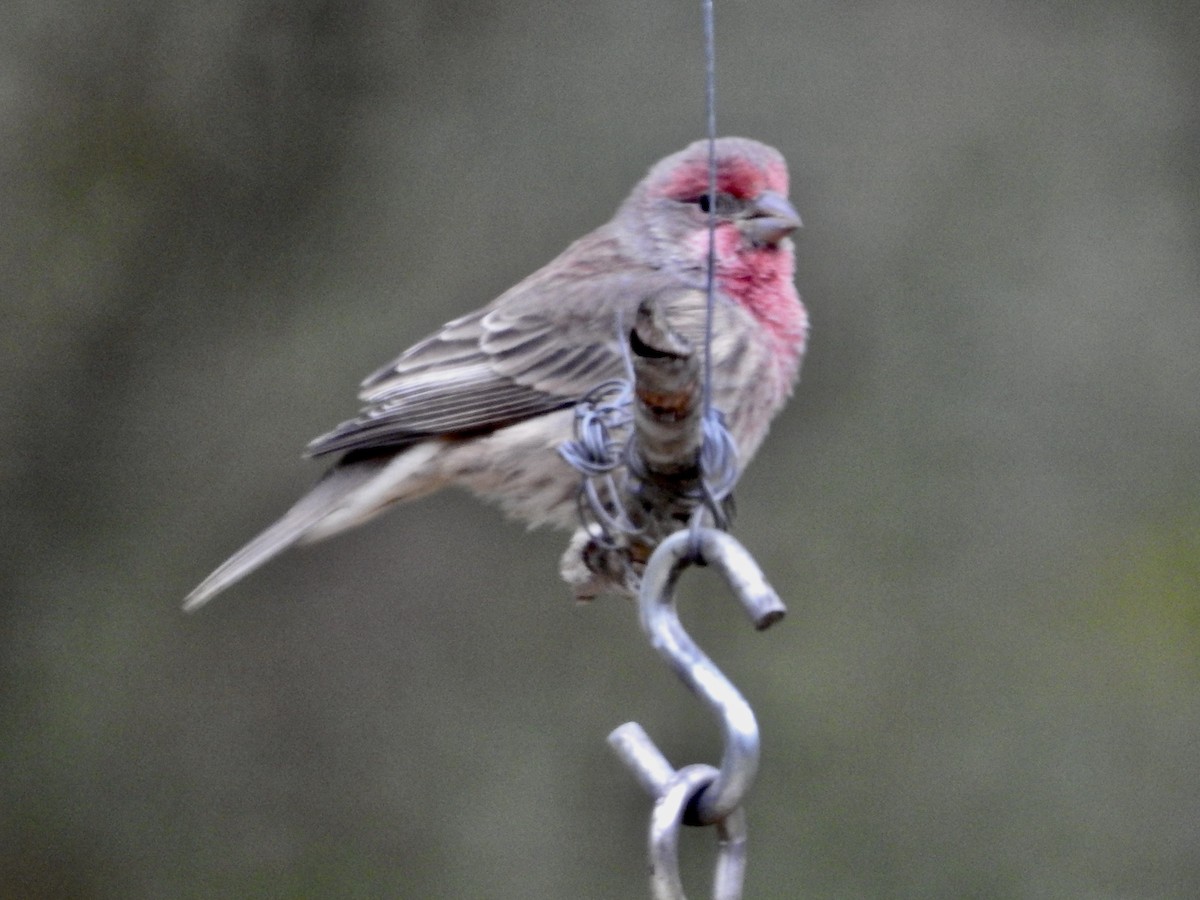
x: 982, y: 505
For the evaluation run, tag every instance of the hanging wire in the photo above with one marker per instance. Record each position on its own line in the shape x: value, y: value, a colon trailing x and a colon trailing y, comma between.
x: 718, y: 456
x: 710, y: 109
x: 603, y: 421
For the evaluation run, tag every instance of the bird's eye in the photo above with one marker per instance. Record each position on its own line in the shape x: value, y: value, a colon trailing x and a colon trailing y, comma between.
x: 726, y: 204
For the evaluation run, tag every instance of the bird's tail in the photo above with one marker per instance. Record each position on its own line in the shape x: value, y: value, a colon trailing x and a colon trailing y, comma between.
x: 295, y: 527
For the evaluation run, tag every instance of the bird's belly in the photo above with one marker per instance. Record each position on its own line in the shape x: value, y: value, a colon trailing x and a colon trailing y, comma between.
x: 519, y: 468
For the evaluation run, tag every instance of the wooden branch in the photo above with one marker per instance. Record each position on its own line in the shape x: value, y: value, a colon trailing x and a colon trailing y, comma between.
x: 668, y: 415
x: 663, y: 485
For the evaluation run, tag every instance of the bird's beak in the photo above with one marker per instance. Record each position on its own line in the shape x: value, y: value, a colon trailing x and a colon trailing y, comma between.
x: 770, y: 218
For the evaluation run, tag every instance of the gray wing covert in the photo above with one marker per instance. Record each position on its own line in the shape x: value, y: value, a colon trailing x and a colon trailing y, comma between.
x: 480, y: 372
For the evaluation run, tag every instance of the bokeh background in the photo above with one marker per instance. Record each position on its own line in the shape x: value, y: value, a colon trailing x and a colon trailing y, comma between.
x: 982, y: 504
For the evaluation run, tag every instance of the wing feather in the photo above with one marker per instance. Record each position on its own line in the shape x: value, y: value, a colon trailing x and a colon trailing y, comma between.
x: 534, y: 349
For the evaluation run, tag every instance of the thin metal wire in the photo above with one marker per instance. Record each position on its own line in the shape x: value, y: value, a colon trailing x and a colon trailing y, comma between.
x: 718, y: 457
x: 603, y: 421
x: 602, y: 425
x: 710, y: 110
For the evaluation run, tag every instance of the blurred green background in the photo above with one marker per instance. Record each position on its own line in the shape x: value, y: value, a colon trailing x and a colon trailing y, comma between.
x: 981, y: 506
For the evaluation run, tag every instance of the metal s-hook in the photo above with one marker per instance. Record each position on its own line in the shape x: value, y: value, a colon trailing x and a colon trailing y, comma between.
x: 698, y: 794
x: 660, y: 621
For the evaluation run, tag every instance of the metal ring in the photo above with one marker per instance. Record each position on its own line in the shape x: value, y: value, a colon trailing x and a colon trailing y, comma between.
x: 669, y: 813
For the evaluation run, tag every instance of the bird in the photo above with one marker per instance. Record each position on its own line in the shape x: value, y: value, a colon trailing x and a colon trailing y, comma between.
x: 486, y: 401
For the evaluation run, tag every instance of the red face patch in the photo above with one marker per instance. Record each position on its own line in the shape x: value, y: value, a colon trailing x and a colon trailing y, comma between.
x: 736, y: 175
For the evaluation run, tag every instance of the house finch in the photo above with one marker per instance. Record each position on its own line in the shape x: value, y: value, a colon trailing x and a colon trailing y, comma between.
x: 487, y: 400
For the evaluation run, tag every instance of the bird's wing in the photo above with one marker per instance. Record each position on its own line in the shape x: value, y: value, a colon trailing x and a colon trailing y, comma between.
x: 509, y: 361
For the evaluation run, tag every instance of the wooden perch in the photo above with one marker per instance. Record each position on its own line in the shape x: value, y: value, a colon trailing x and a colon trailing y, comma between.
x: 662, y: 485
x: 669, y: 413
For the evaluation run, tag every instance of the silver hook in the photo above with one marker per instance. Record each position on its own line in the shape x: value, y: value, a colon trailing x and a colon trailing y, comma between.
x: 660, y: 622
x: 698, y: 795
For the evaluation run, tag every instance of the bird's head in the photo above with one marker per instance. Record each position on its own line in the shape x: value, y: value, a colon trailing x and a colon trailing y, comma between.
x: 673, y: 201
